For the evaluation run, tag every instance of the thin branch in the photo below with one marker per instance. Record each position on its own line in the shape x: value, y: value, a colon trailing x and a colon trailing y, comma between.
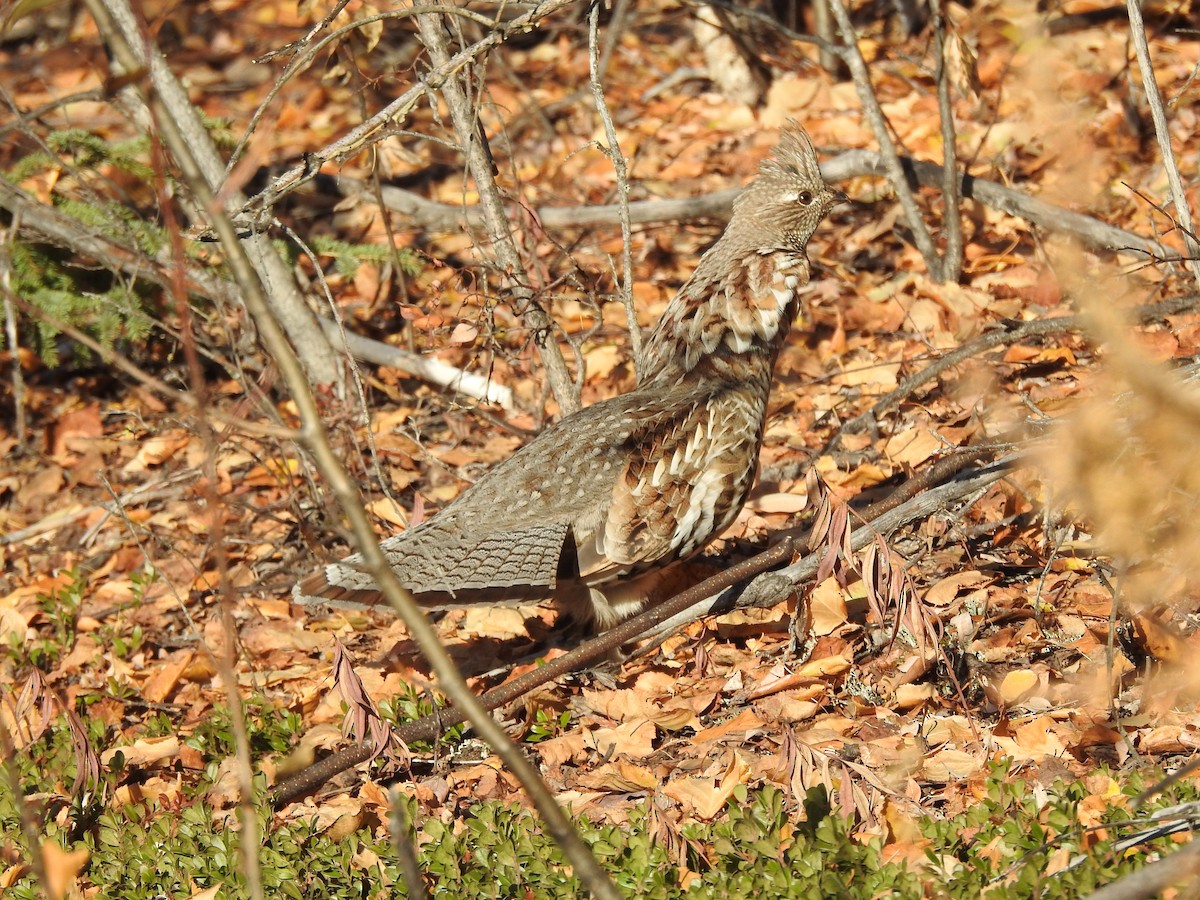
x: 1094, y: 233
x: 1178, y: 868
x: 306, y: 49
x: 613, y: 152
x: 952, y: 261
x: 470, y: 132
x: 891, y: 159
x: 1183, y: 213
x: 1008, y: 333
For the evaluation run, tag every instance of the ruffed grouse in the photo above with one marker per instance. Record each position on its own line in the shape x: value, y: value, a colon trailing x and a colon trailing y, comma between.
x: 596, y: 506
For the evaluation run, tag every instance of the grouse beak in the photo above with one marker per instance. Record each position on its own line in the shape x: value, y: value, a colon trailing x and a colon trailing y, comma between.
x: 839, y: 198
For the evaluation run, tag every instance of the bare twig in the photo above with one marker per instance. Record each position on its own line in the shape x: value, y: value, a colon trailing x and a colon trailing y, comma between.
x: 887, y: 148
x: 143, y: 493
x: 470, y: 132
x: 1183, y: 213
x: 951, y: 267
x: 304, y: 52
x: 613, y: 152
x: 406, y: 846
x: 1090, y: 231
x: 10, y: 328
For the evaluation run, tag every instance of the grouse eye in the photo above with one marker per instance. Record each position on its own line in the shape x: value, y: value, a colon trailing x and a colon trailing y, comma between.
x: 805, y: 198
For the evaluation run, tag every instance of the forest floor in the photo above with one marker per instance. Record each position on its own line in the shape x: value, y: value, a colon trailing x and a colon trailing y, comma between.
x: 141, y: 541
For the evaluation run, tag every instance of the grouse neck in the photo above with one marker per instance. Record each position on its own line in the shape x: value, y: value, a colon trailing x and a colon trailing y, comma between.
x: 729, y: 320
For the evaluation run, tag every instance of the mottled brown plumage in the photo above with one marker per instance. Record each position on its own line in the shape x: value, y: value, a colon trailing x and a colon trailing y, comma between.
x: 594, y: 507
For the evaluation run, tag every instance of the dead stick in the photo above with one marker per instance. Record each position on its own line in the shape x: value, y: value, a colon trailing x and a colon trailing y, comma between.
x: 1007, y: 334
x: 430, y: 726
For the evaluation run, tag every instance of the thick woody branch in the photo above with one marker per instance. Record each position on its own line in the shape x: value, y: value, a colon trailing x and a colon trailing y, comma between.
x: 1090, y: 231
x: 321, y: 363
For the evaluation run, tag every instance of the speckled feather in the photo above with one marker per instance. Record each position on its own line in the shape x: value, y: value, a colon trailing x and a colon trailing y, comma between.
x: 643, y: 479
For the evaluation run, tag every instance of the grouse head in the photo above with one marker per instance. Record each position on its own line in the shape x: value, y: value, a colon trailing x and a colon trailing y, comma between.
x: 783, y: 206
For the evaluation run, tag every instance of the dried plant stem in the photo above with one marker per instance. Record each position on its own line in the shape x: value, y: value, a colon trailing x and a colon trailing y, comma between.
x: 118, y: 26
x: 952, y: 260
x: 406, y: 847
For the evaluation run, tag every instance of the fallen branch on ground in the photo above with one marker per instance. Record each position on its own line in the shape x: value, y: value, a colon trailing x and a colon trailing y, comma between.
x: 715, y: 595
x: 1092, y: 232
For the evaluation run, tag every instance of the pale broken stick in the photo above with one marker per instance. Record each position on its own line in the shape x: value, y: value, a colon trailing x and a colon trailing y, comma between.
x: 426, y: 368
